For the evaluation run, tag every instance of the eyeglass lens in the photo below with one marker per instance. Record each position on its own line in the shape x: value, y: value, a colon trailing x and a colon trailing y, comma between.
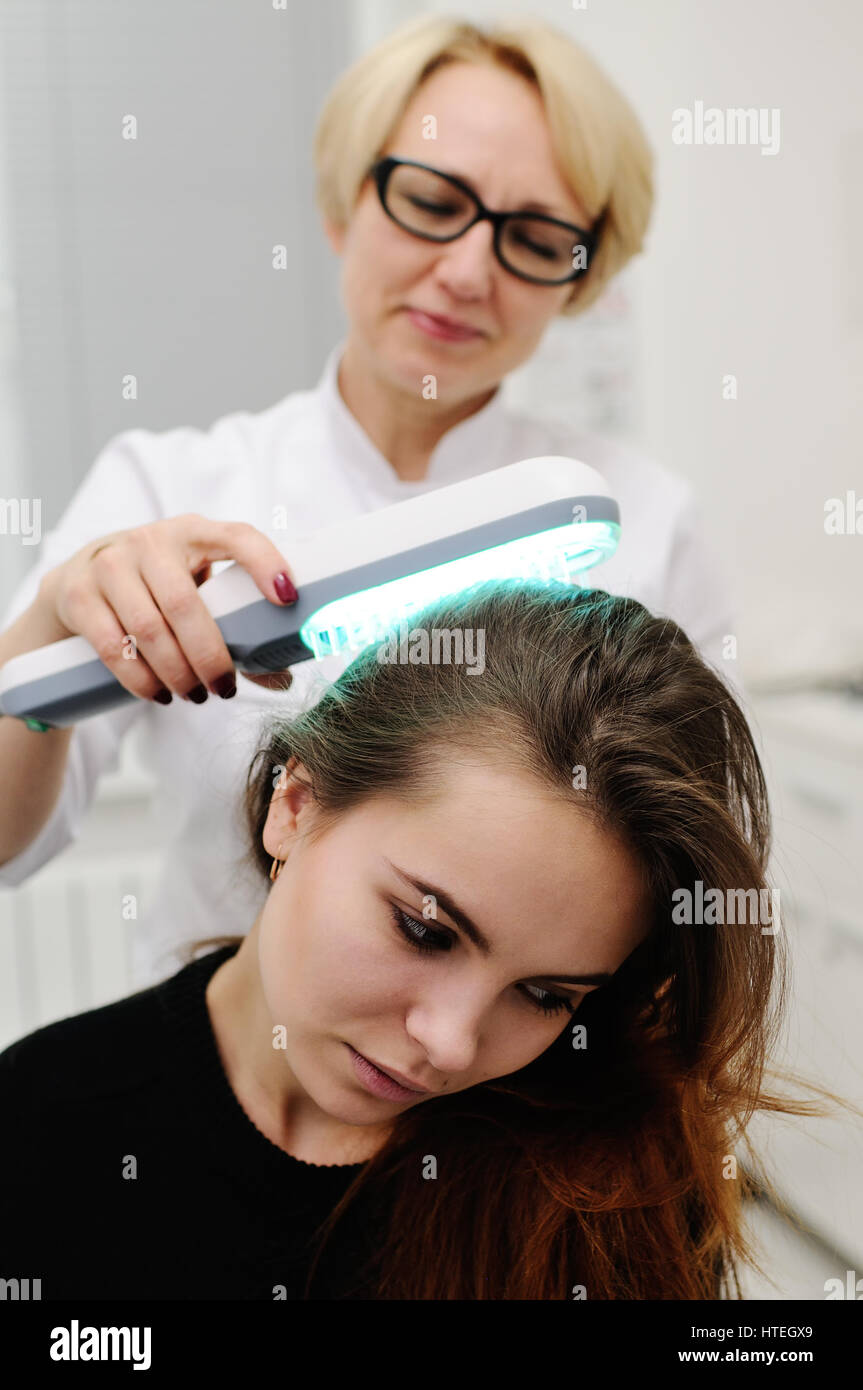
x: 428, y: 204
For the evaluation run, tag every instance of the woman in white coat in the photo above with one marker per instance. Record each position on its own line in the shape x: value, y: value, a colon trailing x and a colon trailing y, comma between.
x: 421, y: 147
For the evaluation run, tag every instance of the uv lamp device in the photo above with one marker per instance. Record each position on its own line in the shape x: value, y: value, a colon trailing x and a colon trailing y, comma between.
x: 542, y: 518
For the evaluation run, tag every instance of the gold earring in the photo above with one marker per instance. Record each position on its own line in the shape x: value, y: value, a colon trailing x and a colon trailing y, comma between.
x: 274, y: 872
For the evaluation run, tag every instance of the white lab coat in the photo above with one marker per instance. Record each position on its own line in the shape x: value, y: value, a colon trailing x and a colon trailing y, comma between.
x: 309, y: 455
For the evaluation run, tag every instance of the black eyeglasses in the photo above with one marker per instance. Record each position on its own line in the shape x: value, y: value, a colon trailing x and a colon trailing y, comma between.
x: 440, y: 207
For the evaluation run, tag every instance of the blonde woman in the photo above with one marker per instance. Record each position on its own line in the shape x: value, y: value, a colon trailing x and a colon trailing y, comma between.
x: 456, y: 254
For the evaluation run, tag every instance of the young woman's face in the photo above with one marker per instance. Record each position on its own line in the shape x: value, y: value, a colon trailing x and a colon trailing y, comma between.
x: 493, y: 133
x: 550, y: 893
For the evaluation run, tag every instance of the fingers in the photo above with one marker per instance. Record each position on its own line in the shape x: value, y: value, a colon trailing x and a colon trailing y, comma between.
x: 172, y: 629
x: 207, y: 541
x: 134, y: 596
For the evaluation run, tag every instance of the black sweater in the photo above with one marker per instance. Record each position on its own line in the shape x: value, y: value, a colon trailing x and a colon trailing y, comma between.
x: 216, y: 1210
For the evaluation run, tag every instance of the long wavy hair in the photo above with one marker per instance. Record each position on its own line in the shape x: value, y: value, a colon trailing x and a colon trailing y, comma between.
x: 609, y: 1171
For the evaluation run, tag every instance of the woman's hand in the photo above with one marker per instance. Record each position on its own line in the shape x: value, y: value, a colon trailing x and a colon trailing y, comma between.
x: 143, y: 583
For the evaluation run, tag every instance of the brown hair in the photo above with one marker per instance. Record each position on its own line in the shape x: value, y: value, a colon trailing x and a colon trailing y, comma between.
x: 599, y: 143
x: 610, y: 1167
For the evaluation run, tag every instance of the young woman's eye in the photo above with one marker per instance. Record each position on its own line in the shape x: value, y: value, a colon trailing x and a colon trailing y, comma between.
x: 423, y: 938
x: 419, y: 934
x: 549, y: 1003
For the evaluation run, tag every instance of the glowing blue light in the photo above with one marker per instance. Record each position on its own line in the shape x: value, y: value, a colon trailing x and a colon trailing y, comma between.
x: 351, y: 623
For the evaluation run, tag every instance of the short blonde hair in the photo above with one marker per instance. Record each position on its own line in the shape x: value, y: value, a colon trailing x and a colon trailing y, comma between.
x: 599, y: 143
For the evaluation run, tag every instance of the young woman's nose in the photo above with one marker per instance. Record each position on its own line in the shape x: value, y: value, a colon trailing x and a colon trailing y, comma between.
x: 449, y: 1031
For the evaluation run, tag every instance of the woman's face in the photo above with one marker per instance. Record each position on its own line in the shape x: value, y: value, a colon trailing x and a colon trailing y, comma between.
x: 550, y: 893
x: 492, y: 132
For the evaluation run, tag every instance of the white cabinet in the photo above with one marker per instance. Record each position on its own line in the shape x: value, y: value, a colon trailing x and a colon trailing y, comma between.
x: 812, y: 749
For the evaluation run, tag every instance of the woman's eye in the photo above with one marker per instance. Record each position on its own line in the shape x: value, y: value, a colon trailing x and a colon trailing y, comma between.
x: 548, y: 253
x: 550, y: 1003
x: 421, y: 936
x: 425, y: 206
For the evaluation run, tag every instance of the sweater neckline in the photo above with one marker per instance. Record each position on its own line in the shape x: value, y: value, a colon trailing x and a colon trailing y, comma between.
x: 210, y: 1102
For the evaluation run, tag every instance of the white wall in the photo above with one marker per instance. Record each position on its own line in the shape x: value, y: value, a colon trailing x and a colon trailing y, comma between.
x: 752, y: 268
x: 153, y: 256
x: 13, y: 459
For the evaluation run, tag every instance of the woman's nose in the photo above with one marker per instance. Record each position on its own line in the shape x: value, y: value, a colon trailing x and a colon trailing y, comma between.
x: 450, y: 1033
x: 468, y: 264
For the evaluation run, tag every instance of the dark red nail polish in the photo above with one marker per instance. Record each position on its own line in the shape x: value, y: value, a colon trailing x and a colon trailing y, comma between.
x: 284, y: 588
x: 163, y: 696
x: 225, y: 686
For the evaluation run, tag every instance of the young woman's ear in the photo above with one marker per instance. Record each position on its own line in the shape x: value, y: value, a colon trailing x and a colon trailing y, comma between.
x: 290, y: 794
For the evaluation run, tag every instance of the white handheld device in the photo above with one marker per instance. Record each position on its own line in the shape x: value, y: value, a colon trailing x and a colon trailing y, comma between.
x: 545, y: 518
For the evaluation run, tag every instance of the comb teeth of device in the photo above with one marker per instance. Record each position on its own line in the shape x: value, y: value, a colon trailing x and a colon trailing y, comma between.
x: 349, y: 624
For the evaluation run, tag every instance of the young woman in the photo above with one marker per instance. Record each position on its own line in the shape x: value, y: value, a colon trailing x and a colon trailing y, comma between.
x: 469, y: 1048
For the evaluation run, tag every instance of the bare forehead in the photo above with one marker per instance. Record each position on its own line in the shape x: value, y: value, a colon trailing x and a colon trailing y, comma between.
x: 488, y: 821
x: 487, y: 125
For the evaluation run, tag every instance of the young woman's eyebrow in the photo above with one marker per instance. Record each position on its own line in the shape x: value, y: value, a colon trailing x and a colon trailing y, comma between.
x: 473, y: 933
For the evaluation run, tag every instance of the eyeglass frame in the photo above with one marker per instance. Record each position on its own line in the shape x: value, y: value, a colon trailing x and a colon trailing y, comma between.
x: 381, y: 170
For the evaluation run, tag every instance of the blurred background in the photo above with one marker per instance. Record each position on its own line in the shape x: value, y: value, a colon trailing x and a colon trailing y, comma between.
x: 154, y: 256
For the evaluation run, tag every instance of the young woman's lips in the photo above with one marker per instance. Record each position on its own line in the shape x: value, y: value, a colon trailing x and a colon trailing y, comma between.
x: 377, y: 1081
x: 438, y: 328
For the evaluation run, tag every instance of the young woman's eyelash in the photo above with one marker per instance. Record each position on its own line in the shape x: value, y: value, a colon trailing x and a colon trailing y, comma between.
x: 440, y: 941
x: 406, y: 925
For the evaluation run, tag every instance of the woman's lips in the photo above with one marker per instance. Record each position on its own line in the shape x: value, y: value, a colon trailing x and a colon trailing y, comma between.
x: 436, y: 328
x: 378, y: 1082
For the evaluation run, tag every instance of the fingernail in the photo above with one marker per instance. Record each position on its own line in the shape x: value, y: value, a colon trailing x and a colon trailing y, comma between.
x: 284, y: 588
x: 225, y: 686
x: 197, y: 693
x: 163, y: 696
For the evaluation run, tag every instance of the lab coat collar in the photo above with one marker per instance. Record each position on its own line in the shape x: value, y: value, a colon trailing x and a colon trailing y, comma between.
x: 474, y: 445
